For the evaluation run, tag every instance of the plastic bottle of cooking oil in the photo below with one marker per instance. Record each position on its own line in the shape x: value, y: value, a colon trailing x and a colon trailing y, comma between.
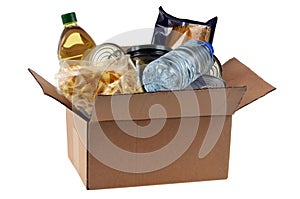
x: 74, y: 40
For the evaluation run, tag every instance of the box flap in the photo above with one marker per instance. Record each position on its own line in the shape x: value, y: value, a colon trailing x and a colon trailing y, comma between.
x: 187, y: 103
x: 51, y: 91
x: 236, y: 73
x: 168, y: 104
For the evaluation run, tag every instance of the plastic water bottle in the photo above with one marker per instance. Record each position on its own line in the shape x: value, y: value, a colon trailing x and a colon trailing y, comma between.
x: 178, y: 68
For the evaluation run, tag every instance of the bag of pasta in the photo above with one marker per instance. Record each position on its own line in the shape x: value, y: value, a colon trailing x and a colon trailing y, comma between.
x: 81, y: 81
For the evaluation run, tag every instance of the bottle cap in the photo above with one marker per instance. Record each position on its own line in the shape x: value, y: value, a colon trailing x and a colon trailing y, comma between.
x: 210, y: 47
x: 68, y: 17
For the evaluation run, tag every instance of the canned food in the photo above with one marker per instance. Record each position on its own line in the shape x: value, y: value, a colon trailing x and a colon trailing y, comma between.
x: 216, y: 69
x: 207, y: 81
x: 144, y: 54
x: 103, y: 52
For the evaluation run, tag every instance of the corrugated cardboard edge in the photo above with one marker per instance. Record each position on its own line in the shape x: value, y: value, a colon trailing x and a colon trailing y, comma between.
x: 77, y: 143
x: 235, y: 73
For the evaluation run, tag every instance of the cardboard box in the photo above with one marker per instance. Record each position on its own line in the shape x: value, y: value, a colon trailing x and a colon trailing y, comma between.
x: 158, y: 138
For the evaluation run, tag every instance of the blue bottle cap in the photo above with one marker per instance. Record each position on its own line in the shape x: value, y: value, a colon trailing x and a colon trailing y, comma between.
x: 210, y: 47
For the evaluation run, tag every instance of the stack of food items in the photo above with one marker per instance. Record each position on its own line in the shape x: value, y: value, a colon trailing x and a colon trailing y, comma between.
x: 88, y: 70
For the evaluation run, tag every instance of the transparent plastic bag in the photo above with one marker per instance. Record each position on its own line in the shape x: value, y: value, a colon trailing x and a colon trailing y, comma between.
x: 81, y: 81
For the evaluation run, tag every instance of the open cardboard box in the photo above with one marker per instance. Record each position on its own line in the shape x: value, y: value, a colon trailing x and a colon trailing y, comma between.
x: 158, y: 138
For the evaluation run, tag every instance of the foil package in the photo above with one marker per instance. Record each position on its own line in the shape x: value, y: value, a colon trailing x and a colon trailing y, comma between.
x: 173, y: 32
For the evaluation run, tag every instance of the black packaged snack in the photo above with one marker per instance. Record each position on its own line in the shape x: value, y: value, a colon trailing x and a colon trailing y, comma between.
x: 172, y: 32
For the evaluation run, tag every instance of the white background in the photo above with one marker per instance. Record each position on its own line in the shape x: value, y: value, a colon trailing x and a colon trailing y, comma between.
x: 264, y: 35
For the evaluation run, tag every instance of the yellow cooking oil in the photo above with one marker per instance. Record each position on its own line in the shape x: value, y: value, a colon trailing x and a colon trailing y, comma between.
x: 74, y: 40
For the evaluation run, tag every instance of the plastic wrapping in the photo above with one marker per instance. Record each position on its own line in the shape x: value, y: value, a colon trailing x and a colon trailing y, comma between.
x: 173, y: 32
x: 81, y: 81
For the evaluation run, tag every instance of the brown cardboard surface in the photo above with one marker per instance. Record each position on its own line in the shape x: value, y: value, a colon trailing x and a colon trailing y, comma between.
x: 77, y: 143
x: 236, y: 73
x: 51, y: 91
x: 188, y: 167
x: 186, y: 103
x: 84, y: 144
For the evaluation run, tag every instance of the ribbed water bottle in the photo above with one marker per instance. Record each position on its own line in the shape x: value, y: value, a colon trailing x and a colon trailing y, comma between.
x: 179, y: 68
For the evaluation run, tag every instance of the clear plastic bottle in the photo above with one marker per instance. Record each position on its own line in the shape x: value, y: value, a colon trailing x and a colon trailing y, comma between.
x: 74, y: 41
x: 179, y: 68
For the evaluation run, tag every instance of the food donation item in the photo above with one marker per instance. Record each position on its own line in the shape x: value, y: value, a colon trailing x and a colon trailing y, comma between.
x: 74, y: 41
x: 173, y: 32
x: 81, y: 81
x: 78, y: 83
x: 216, y: 69
x: 179, y: 68
x: 103, y: 52
x: 142, y: 55
x: 207, y: 81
